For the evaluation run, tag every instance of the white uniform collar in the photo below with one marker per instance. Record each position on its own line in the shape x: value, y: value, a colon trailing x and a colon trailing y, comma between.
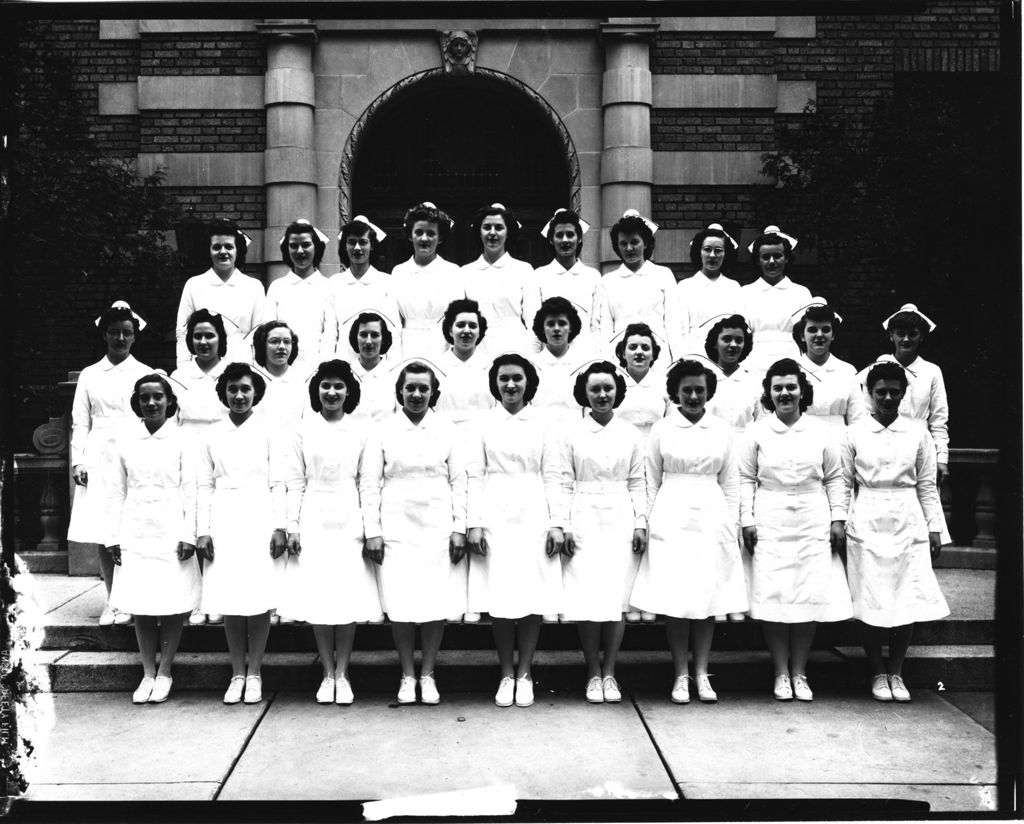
x: 778, y: 426
x: 213, y: 279
x: 107, y: 365
x: 762, y: 285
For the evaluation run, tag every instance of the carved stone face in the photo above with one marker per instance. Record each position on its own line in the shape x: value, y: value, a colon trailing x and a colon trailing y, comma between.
x: 459, y: 47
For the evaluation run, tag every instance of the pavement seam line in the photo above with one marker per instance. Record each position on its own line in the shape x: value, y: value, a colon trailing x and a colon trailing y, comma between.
x: 245, y: 745
x: 73, y: 598
x: 657, y: 748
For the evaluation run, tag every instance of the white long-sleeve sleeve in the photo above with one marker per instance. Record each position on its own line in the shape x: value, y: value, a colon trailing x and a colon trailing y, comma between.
x: 371, y: 479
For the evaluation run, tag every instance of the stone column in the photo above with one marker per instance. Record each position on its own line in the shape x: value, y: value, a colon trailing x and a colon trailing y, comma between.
x: 627, y: 162
x: 290, y: 158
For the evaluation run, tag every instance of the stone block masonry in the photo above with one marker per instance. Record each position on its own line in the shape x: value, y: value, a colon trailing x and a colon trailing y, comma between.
x: 202, y: 131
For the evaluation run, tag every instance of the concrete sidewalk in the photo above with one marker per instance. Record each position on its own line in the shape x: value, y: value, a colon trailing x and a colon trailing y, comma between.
x: 842, y: 746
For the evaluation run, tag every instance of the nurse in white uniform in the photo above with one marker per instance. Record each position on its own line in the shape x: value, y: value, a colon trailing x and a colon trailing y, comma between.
x: 225, y: 289
x: 302, y: 298
x: 361, y: 287
x: 727, y: 344
x: 413, y: 495
x: 241, y: 527
x: 770, y: 301
x: 568, y: 277
x: 793, y: 503
x: 276, y: 351
x: 100, y: 409
x: 691, y: 571
x: 504, y: 286
x: 424, y: 285
x: 838, y: 399
x: 513, y: 473
x: 557, y: 328
x: 708, y: 292
x: 328, y: 583
x: 604, y: 505
x: 639, y: 291
x: 151, y: 512
x: 894, y: 533
x: 370, y: 342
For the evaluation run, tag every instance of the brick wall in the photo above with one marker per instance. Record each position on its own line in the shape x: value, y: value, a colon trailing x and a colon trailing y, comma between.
x: 226, y: 54
x: 688, y: 53
x: 712, y: 130
x: 202, y: 131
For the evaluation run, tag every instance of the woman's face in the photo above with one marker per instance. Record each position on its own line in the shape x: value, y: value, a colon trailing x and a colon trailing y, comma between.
x: 279, y: 346
x: 425, y: 238
x: 466, y: 331
x: 511, y: 380
x: 785, y: 394
x: 639, y: 352
x: 630, y: 246
x: 119, y: 337
x: 565, y: 240
x: 906, y: 341
x: 223, y: 253
x: 332, y: 392
x: 416, y: 392
x: 301, y: 251
x: 818, y: 336
x: 712, y: 255
x: 153, y: 402
x: 494, y: 233
x: 358, y: 249
x: 601, y: 392
x: 886, y: 394
x: 369, y: 338
x: 693, y: 395
x: 772, y: 259
x: 730, y: 345
x: 556, y: 330
x: 205, y: 341
x: 241, y: 394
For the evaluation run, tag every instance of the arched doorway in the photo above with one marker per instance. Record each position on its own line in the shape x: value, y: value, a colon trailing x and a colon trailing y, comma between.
x: 462, y: 142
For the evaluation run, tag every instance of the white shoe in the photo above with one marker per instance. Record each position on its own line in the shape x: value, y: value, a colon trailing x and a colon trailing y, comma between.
x: 253, y: 689
x: 632, y: 617
x: 343, y: 691
x: 648, y: 617
x: 107, y: 616
x: 783, y: 688
x: 612, y: 694
x: 720, y: 619
x: 595, y: 692
x: 704, y: 691
x: 214, y: 618
x: 378, y: 620
x: 325, y: 695
x: 457, y: 619
x: 284, y: 619
x: 899, y: 690
x: 549, y: 619
x: 274, y: 618
x: 880, y: 690
x: 524, y: 691
x: 235, y: 689
x: 407, y: 690
x: 197, y: 618
x: 505, y: 696
x: 161, y: 689
x: 428, y: 689
x: 737, y: 617
x: 122, y: 618
x: 144, y: 690
x: 801, y: 689
x: 681, y: 690
x: 471, y: 618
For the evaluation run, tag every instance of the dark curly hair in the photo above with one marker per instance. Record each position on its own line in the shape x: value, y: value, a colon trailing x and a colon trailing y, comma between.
x: 229, y: 227
x: 511, y: 226
x: 786, y: 366
x: 557, y: 306
x: 154, y: 377
x: 259, y: 341
x: 579, y: 389
x: 816, y: 314
x: 235, y: 371
x: 116, y: 314
x: 770, y: 239
x: 907, y: 320
x: 357, y: 228
x: 886, y: 371
x: 386, y: 338
x: 431, y: 214
x: 418, y: 368
x: 300, y: 228
x: 335, y: 369
x: 637, y: 329
x: 457, y: 307
x: 216, y: 321
x: 698, y: 242
x: 566, y: 216
x: 630, y: 225
x: 689, y: 369
x: 731, y: 322
x: 512, y: 359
